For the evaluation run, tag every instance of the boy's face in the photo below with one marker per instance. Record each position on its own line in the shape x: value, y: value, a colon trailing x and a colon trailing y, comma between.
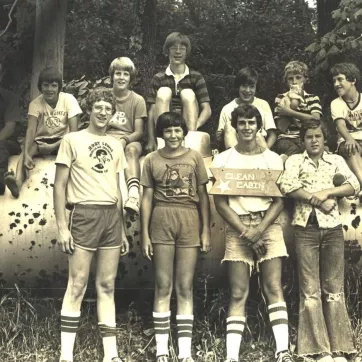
x: 173, y: 137
x: 247, y: 93
x: 121, y: 79
x: 314, y: 141
x: 50, y: 91
x: 177, y: 54
x: 296, y: 79
x: 101, y: 114
x: 342, y: 85
x: 246, y: 129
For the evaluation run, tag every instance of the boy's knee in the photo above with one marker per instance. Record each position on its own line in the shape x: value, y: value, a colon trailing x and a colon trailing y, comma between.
x: 133, y: 150
x: 105, y: 286
x: 188, y: 96
x: 240, y: 294
x: 164, y: 94
x: 163, y: 288
x: 273, y: 289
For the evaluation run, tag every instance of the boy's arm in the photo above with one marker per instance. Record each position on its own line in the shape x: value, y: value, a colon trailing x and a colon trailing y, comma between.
x: 205, y: 218
x: 204, y: 115
x: 65, y: 239
x: 146, y: 211
x: 303, y: 117
x: 151, y: 138
x: 138, y: 132
x: 7, y: 130
x: 73, y: 124
x: 29, y: 141
x: 351, y: 144
x: 271, y: 137
x: 125, y: 244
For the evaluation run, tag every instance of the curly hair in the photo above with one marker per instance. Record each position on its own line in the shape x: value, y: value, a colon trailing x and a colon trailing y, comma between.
x: 296, y: 67
x: 101, y: 94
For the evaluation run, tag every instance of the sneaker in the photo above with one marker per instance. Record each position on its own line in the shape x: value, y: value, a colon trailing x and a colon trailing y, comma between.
x: 230, y: 360
x: 187, y: 359
x: 284, y: 357
x: 132, y: 205
x: 162, y: 358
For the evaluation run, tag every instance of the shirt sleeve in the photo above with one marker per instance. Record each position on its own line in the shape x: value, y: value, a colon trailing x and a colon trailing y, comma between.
x: 72, y: 105
x: 277, y: 100
x: 222, y: 120
x: 65, y: 154
x: 34, y: 108
x: 12, y: 111
x: 201, y: 173
x: 289, y: 181
x: 152, y: 90
x: 201, y: 91
x: 146, y: 176
x: 268, y: 117
x: 314, y: 104
x: 336, y: 110
x: 141, y: 110
x: 351, y: 178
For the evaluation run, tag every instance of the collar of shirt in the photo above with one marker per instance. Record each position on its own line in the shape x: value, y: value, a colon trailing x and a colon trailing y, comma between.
x: 324, y: 157
x: 170, y: 73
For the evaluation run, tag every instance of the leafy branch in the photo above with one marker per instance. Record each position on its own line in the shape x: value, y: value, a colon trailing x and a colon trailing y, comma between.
x: 10, y: 18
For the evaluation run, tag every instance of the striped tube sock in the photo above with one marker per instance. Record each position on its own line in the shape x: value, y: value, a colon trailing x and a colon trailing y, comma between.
x: 161, y: 322
x: 184, y: 334
x: 279, y: 321
x: 234, y: 330
x: 69, y: 322
x: 108, y: 334
x: 133, y: 186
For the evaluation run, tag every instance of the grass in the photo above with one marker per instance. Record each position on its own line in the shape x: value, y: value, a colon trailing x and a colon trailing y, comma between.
x: 30, y: 328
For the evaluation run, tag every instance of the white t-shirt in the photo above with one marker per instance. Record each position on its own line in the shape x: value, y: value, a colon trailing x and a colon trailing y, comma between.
x: 265, y: 112
x: 94, y: 162
x: 53, y: 122
x: 352, y: 116
x: 267, y: 160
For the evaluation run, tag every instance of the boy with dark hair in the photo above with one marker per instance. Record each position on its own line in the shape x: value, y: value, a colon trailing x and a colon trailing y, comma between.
x: 87, y: 179
x: 293, y: 108
x: 9, y: 117
x: 347, y: 114
x: 252, y: 232
x: 175, y: 219
x: 178, y: 89
x: 127, y: 124
x: 324, y: 330
x: 245, y: 83
x: 51, y: 115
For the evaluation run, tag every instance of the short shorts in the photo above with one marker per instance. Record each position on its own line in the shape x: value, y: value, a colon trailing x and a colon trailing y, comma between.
x: 236, y: 248
x: 96, y: 227
x: 175, y: 225
x: 341, y: 150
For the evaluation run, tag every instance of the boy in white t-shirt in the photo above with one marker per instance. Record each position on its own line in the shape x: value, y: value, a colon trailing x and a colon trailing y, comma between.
x: 347, y: 115
x: 87, y: 179
x: 245, y: 82
x: 51, y: 115
x: 127, y: 125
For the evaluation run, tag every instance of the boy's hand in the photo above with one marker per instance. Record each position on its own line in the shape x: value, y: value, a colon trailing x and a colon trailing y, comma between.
x: 65, y: 241
x: 259, y: 248
x: 151, y: 146
x: 328, y: 205
x: 205, y: 242
x: 45, y: 148
x: 124, y: 246
x: 147, y: 249
x: 28, y: 162
x: 318, y: 197
x: 352, y: 146
x: 252, y: 236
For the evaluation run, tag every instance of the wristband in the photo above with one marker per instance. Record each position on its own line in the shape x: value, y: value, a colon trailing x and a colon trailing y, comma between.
x: 126, y: 139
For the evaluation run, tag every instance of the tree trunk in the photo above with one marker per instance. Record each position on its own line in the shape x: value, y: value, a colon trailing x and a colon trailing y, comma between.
x: 324, y: 11
x: 49, y: 39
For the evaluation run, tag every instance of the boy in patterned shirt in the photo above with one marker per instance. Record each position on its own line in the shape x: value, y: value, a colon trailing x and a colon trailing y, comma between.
x: 347, y: 114
x: 87, y: 178
x: 51, y: 115
x: 324, y: 330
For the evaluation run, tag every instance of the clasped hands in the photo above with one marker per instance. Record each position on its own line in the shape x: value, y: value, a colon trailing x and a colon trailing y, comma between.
x: 322, y: 201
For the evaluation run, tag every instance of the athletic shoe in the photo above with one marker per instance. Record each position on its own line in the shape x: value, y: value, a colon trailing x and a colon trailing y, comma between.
x: 230, y: 360
x: 162, y: 358
x: 284, y: 357
x: 132, y: 205
x: 187, y: 359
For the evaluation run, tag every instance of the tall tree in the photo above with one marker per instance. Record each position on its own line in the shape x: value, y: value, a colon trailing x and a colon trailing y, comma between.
x: 324, y: 15
x: 49, y: 38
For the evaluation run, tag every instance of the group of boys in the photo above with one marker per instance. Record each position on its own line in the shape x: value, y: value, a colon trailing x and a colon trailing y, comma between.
x: 92, y: 159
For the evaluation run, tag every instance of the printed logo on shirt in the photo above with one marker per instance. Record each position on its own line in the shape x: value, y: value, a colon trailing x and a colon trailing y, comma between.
x: 101, y: 155
x: 53, y: 120
x: 178, y: 180
x: 355, y: 118
x: 118, y: 120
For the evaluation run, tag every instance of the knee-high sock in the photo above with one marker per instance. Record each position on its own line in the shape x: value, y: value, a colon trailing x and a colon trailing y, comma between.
x: 133, y: 186
x: 161, y: 322
x: 184, y: 333
x: 108, y: 334
x: 69, y: 322
x: 234, y: 330
x: 279, y: 321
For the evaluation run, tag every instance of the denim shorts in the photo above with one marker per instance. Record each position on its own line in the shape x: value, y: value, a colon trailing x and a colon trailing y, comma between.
x: 175, y: 225
x: 236, y: 248
x: 96, y: 226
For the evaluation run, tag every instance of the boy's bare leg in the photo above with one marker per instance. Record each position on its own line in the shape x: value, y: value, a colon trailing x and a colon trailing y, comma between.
x: 107, y: 265
x: 190, y: 109
x: 79, y: 265
x: 14, y: 181
x: 132, y: 175
x: 163, y: 101
x: 354, y: 161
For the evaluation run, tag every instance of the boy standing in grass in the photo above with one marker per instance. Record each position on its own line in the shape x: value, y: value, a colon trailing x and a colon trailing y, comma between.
x: 293, y: 108
x: 245, y: 83
x: 178, y: 88
x: 127, y: 125
x: 87, y: 179
x: 175, y: 219
x: 51, y: 115
x: 347, y: 114
x: 252, y: 232
x: 9, y: 116
x: 324, y: 330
